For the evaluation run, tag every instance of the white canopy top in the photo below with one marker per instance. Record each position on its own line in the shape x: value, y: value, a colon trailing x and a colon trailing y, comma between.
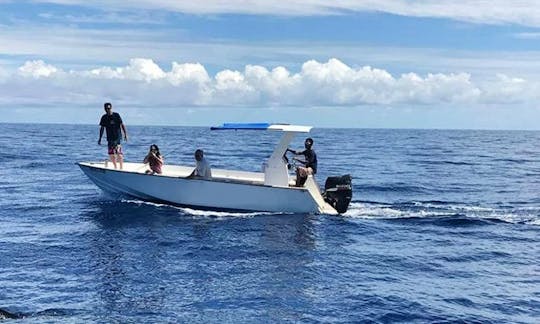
x: 264, y: 126
x: 291, y: 128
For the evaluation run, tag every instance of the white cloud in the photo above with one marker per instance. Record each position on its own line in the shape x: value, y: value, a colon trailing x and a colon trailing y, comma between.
x: 93, y: 47
x: 37, y: 69
x: 333, y: 83
x: 188, y: 73
x: 138, y: 69
x: 510, y: 90
x: 523, y: 12
x: 139, y: 17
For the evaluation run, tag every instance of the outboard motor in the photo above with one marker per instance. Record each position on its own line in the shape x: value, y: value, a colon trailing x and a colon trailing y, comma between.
x: 338, y: 192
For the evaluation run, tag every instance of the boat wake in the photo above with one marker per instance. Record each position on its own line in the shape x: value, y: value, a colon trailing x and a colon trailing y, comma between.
x: 198, y: 212
x: 376, y: 210
x: 218, y: 214
x: 403, y: 210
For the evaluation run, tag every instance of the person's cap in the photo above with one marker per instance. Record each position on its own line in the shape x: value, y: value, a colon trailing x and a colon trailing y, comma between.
x: 107, y: 105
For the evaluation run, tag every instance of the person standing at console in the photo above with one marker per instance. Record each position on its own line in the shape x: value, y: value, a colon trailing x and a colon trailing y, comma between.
x: 310, y: 162
x: 112, y: 122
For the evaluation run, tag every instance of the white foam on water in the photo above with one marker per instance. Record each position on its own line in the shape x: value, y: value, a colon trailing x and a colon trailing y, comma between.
x: 514, y: 217
x: 451, y: 207
x: 199, y: 212
x: 525, y: 215
x: 360, y: 210
x: 142, y: 202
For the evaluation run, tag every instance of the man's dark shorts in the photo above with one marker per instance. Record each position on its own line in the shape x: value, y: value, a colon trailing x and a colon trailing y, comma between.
x: 114, y: 148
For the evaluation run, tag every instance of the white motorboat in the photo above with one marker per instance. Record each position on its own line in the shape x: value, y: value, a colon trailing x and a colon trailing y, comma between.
x: 273, y: 190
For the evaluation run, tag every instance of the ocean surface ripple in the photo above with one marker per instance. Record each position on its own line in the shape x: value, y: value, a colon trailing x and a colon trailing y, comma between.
x: 444, y: 227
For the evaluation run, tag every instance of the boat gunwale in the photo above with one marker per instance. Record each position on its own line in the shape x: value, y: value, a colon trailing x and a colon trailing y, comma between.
x: 213, y: 179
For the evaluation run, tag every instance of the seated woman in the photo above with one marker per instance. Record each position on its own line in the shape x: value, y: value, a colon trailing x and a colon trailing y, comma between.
x: 154, y: 159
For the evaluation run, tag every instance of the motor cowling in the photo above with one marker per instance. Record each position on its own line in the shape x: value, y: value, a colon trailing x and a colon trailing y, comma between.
x: 338, y: 192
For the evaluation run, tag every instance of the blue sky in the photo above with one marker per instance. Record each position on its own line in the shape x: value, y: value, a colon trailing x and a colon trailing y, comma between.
x: 396, y: 64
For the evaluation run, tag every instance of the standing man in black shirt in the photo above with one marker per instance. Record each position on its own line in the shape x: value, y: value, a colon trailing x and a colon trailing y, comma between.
x: 112, y: 122
x: 310, y: 162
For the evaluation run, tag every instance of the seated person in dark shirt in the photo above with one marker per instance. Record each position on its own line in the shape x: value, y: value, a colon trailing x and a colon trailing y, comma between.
x: 310, y: 162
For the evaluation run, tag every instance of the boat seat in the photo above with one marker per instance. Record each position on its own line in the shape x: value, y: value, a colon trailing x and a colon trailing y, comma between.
x: 233, y: 180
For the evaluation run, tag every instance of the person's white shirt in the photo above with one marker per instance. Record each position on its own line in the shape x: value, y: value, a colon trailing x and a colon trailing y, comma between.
x: 202, y: 169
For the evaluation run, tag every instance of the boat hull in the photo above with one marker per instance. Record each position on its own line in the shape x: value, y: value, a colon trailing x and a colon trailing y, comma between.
x: 216, y: 194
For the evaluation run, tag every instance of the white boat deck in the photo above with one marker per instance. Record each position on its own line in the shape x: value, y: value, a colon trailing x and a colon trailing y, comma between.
x: 179, y: 171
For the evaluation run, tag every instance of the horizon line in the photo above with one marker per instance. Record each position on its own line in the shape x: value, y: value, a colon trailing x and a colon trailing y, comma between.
x: 314, y: 127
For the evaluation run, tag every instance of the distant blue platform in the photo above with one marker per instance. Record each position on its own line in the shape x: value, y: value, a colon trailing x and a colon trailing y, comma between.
x: 255, y: 126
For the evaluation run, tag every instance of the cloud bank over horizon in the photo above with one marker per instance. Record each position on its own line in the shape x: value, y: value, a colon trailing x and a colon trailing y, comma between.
x: 333, y: 83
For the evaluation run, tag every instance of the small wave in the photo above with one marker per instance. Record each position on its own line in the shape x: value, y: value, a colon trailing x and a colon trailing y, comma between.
x: 362, y: 210
x: 454, y: 206
x: 34, y: 165
x: 510, y: 217
x: 517, y: 161
x: 446, y: 214
x: 441, y: 202
x: 4, y: 314
x: 507, y: 214
x: 476, y: 257
x: 460, y: 221
x: 396, y: 187
x: 460, y: 301
x: 451, y: 162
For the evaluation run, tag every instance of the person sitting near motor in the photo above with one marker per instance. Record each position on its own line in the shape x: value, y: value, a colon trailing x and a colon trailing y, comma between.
x: 202, y: 168
x: 310, y: 162
x: 154, y: 159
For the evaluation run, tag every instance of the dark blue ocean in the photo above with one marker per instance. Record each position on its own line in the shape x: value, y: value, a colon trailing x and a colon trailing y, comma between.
x: 444, y: 227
